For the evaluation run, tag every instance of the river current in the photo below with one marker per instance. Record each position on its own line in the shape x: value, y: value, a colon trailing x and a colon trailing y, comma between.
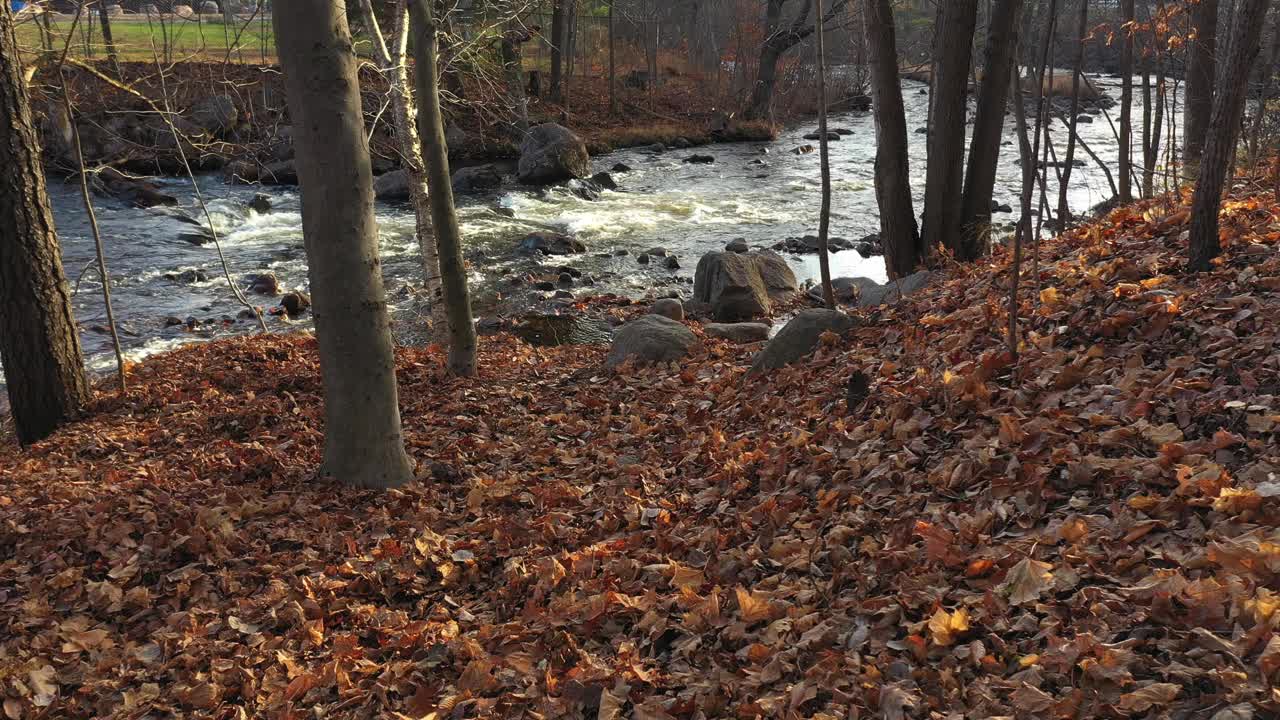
x: 762, y: 192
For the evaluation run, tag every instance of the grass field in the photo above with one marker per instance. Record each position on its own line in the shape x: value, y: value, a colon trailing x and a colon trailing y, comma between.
x: 206, y: 39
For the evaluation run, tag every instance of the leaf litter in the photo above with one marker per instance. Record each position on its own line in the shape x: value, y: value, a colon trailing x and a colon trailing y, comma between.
x: 1090, y: 531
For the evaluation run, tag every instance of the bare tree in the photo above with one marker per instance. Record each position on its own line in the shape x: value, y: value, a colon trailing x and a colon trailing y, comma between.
x: 363, y: 443
x: 1064, y: 181
x: 903, y: 250
x: 1126, y: 101
x: 780, y: 37
x: 1201, y: 67
x: 824, y: 214
x: 453, y: 271
x: 558, y: 22
x: 944, y: 177
x: 1224, y: 125
x: 988, y: 126
x: 39, y: 345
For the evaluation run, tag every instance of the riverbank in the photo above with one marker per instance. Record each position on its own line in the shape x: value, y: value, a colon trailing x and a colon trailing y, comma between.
x: 905, y: 522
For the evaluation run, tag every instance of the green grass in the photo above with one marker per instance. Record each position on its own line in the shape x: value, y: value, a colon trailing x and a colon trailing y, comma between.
x: 134, y: 36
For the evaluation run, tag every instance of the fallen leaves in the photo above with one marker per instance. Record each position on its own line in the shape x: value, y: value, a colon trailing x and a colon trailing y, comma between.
x: 1027, y: 580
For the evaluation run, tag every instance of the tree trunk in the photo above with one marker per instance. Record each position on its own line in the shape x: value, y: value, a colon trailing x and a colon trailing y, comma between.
x: 1082, y: 30
x: 1126, y: 102
x: 613, y: 72
x: 462, y: 331
x: 1201, y: 68
x: 903, y: 251
x: 945, y: 175
x: 1152, y: 151
x: 105, y: 20
x: 392, y: 61
x: 824, y: 212
x: 363, y: 444
x: 1264, y: 94
x: 39, y: 345
x: 988, y: 126
x: 1224, y: 125
x: 759, y: 107
x: 557, y: 50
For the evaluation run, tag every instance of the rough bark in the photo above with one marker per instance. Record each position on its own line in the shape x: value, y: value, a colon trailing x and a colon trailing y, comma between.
x: 824, y: 212
x: 1224, y: 125
x: 39, y: 345
x: 944, y: 176
x: 363, y: 443
x: 903, y: 249
x: 1264, y: 93
x: 1082, y: 30
x: 1126, y: 102
x: 780, y: 37
x: 391, y: 58
x: 1201, y: 67
x: 104, y: 19
x: 988, y: 125
x: 557, y: 50
x: 435, y: 153
x: 613, y: 71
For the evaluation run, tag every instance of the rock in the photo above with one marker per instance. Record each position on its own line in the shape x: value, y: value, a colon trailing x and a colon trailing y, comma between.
x: 654, y: 148
x: 193, y: 275
x: 799, y: 337
x: 544, y: 285
x: 1084, y: 119
x: 651, y: 339
x: 779, y: 280
x: 279, y: 173
x: 699, y: 159
x: 731, y: 284
x: 893, y: 291
x: 831, y: 136
x: 183, y: 11
x: 1000, y: 207
x: 550, y: 243
x: 669, y: 308
x: 643, y: 258
x: 740, y: 333
x: 551, y: 153
x: 264, y: 283
x: 621, y: 168
x: 241, y: 171
x: 218, y: 114
x: 681, y: 143
x: 842, y: 131
x: 656, y: 252
x: 392, y: 186
x: 261, y: 203
x: 620, y: 252
x: 565, y: 278
x: 604, y: 180
x: 672, y: 262
x: 476, y: 178
x: 455, y: 138
x: 737, y: 245
x: 572, y: 272
x: 922, y: 131
x: 295, y: 303
x: 210, y: 8
x: 802, y: 150
x: 171, y: 321
x: 810, y: 244
x: 846, y: 289
x: 584, y: 189
x: 758, y: 162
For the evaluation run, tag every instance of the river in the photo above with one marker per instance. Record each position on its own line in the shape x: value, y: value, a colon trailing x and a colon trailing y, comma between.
x: 758, y: 191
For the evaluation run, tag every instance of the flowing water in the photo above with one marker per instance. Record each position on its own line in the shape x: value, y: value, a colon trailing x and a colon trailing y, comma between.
x: 758, y: 191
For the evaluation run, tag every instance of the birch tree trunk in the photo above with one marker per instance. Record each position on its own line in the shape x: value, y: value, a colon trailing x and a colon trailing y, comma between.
x: 462, y: 331
x: 39, y: 343
x: 391, y: 58
x: 363, y: 445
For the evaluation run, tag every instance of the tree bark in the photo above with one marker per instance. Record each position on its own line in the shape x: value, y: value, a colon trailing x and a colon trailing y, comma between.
x: 363, y: 443
x: 39, y: 344
x: 1224, y: 126
x: 1201, y: 68
x: 1264, y: 94
x: 1126, y: 102
x: 557, y: 50
x: 903, y: 250
x: 945, y: 175
x: 105, y: 20
x: 824, y: 212
x: 988, y: 125
x: 391, y: 58
x: 1082, y: 29
x: 453, y: 271
x: 780, y: 38
x: 613, y: 72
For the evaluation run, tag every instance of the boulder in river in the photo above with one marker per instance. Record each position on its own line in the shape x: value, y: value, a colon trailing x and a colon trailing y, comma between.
x: 668, y: 308
x: 295, y: 303
x: 845, y: 289
x: 741, y: 333
x: 265, y: 283
x: 605, y: 181
x: 699, y: 159
x: 832, y: 136
x: 261, y: 203
x: 621, y: 167
x: 550, y: 243
x: 651, y: 339
x: 551, y: 153
x: 188, y: 276
x: 741, y: 286
x: 802, y: 150
x: 279, y: 173
x: 476, y: 178
x: 392, y: 186
x: 737, y: 245
x: 799, y: 337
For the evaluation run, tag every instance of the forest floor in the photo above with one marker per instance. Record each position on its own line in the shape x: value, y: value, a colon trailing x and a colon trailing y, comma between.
x: 1088, y: 531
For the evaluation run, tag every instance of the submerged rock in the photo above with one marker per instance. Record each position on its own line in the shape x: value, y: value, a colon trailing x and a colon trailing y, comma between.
x: 832, y: 136
x: 699, y: 159
x: 476, y: 178
x: 651, y: 339
x: 264, y: 283
x: 550, y: 243
x: 295, y: 303
x: 261, y: 203
x: 551, y: 153
x: 189, y: 276
x: 392, y: 186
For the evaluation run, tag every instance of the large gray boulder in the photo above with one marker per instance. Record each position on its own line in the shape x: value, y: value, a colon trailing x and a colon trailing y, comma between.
x: 218, y: 114
x: 392, y: 186
x: 551, y: 153
x: 550, y: 243
x: 651, y: 339
x: 846, y: 289
x: 740, y: 333
x: 799, y: 337
x: 476, y: 178
x: 741, y: 286
x: 894, y: 290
